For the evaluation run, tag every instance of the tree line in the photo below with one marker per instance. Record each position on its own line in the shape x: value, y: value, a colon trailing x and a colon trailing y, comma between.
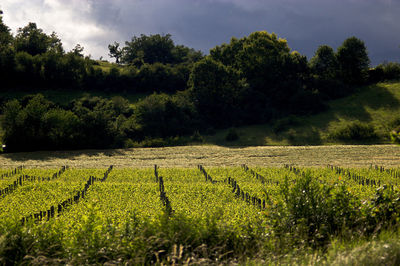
x: 254, y: 79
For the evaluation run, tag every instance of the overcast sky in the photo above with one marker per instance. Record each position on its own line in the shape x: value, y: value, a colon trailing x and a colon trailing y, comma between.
x: 203, y: 24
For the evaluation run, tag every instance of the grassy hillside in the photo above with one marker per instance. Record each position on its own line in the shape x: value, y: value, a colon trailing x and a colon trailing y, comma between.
x: 376, y: 106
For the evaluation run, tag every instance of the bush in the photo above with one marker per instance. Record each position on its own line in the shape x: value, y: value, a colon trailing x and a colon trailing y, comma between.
x: 37, y: 124
x: 395, y: 135
x: 197, y: 137
x: 389, y: 71
x: 310, y: 213
x: 232, y: 135
x: 355, y: 131
x: 161, y: 116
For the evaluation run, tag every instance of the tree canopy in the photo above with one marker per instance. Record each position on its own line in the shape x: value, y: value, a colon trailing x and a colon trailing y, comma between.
x: 353, y: 61
x: 153, y: 49
x: 34, y: 41
x: 5, y: 34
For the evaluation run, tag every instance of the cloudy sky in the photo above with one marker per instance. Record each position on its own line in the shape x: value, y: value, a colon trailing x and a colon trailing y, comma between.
x: 203, y: 24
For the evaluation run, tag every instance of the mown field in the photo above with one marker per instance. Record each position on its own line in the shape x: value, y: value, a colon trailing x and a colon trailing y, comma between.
x: 202, y: 215
x: 211, y: 155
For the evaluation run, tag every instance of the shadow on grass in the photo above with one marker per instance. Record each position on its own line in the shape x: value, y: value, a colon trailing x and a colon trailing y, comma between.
x: 354, y: 107
x: 312, y: 129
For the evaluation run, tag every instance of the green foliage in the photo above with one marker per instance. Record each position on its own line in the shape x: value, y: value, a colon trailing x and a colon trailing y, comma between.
x: 149, y: 49
x: 389, y: 71
x: 37, y: 124
x: 395, y: 135
x: 353, y: 61
x: 62, y: 128
x: 311, y: 213
x: 215, y: 89
x: 324, y: 63
x: 5, y: 34
x: 78, y: 50
x: 383, y: 211
x: 34, y: 41
x: 159, y: 77
x: 197, y: 137
x: 325, y: 68
x: 160, y: 115
x: 154, y: 49
x: 115, y: 51
x: 355, y: 131
x: 272, y: 79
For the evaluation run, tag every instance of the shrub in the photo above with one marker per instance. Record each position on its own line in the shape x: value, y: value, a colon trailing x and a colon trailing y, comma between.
x: 161, y: 116
x: 310, y: 212
x: 36, y: 124
x: 395, y: 135
x: 389, y: 71
x: 232, y: 135
x: 355, y: 131
x: 197, y: 137
x: 383, y: 210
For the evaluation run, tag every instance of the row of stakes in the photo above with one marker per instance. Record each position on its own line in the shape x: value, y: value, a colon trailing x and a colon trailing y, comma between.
x: 355, y: 177
x: 21, y: 180
x: 206, y: 175
x: 163, y: 196
x: 298, y: 172
x: 239, y: 193
x: 259, y: 177
x: 393, y: 172
x: 15, y: 171
x: 51, y: 212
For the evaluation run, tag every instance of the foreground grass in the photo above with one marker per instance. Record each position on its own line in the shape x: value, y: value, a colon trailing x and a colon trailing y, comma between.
x: 383, y: 249
x: 376, y: 105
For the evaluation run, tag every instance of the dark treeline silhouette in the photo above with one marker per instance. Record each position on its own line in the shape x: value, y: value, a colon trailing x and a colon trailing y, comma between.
x: 34, y: 59
x: 255, y: 79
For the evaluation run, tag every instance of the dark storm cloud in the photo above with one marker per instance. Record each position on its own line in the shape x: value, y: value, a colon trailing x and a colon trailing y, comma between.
x: 202, y: 24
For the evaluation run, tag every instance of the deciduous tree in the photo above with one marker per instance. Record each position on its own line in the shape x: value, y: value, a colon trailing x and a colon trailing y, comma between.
x: 353, y: 61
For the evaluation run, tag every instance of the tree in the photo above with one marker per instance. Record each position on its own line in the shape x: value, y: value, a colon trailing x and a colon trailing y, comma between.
x: 62, y: 128
x: 149, y: 49
x: 5, y: 35
x: 24, y: 128
x: 78, y: 50
x: 353, y: 61
x: 216, y: 91
x: 261, y: 60
x: 162, y: 115
x: 324, y: 64
x: 115, y: 51
x: 273, y: 72
x: 7, y: 54
x: 227, y: 53
x: 183, y: 54
x: 325, y: 70
x: 34, y: 41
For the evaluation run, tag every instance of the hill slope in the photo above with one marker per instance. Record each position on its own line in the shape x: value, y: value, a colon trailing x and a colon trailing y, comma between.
x: 376, y: 106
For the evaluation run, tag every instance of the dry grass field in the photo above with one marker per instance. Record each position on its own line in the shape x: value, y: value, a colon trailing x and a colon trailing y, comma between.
x: 189, y: 156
